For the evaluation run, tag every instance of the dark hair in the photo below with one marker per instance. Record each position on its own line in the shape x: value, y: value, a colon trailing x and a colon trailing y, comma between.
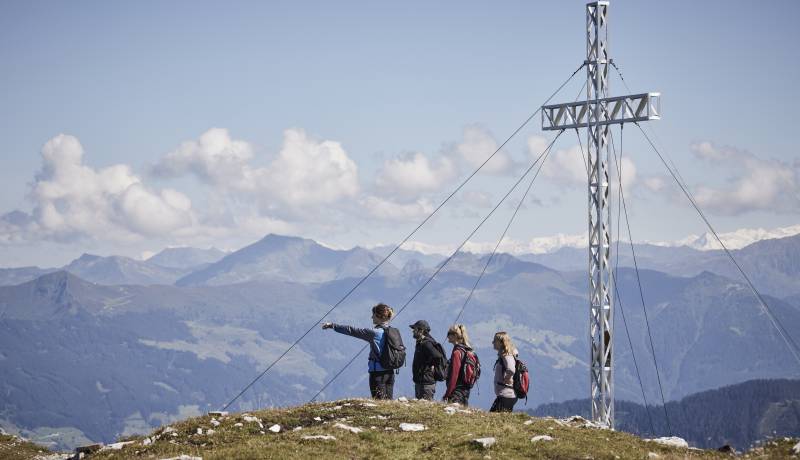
x: 383, y: 311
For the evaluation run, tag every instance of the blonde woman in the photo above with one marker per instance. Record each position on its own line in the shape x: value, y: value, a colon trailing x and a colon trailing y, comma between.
x: 381, y: 381
x: 463, y: 368
x: 504, y: 369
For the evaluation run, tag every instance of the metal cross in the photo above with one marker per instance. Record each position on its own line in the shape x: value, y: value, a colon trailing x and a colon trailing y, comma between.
x: 597, y: 113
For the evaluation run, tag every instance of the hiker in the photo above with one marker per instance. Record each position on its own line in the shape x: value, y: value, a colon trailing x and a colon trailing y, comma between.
x: 427, y: 356
x: 381, y: 380
x: 504, y: 369
x: 463, y: 369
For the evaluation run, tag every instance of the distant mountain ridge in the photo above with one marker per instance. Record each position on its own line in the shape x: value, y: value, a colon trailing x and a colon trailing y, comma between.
x: 121, y: 270
x: 129, y: 356
x: 736, y: 414
x: 287, y: 258
x: 773, y: 265
x: 186, y: 257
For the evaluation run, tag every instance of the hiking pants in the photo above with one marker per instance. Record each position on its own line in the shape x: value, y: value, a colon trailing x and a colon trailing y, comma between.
x: 503, y: 404
x: 422, y: 391
x: 381, y: 384
x: 459, y: 395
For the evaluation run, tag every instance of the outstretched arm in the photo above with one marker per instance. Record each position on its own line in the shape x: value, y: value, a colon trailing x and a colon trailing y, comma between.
x: 357, y: 332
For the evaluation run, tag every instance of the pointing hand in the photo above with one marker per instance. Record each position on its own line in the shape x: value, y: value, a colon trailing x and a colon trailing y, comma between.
x: 327, y: 325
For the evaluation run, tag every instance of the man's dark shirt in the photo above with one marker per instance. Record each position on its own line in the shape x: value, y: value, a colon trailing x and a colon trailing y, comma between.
x: 422, y: 366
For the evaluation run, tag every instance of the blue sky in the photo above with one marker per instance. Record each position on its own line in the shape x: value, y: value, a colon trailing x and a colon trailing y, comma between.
x: 347, y: 122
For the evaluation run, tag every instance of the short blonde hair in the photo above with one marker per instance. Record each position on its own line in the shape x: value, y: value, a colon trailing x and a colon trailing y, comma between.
x: 460, y: 333
x: 506, y: 345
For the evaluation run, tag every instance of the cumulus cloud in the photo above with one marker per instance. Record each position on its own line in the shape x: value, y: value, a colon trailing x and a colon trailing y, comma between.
x: 756, y: 185
x: 654, y: 183
x: 567, y: 167
x: 478, y: 199
x: 563, y: 167
x: 477, y: 145
x: 412, y: 174
x: 214, y: 158
x: 385, y: 209
x: 306, y: 172
x: 74, y: 200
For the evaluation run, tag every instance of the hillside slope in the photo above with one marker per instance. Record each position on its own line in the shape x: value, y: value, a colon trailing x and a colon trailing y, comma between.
x: 359, y: 428
x: 738, y: 415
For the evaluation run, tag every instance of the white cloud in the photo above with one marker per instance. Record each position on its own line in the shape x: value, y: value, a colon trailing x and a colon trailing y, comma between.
x: 654, y: 183
x: 412, y: 174
x: 756, y: 184
x: 390, y: 210
x: 74, y: 200
x: 214, y: 158
x: 567, y: 167
x: 563, y: 167
x: 306, y: 172
x: 478, y: 199
x: 477, y: 145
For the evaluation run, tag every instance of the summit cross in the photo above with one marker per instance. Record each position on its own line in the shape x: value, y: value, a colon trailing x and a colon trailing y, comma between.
x: 597, y: 113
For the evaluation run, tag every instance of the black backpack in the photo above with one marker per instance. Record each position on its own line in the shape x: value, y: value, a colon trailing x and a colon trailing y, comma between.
x: 439, y: 363
x: 393, y: 354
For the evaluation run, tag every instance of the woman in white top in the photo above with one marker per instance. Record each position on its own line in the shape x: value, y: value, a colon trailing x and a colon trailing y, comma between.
x: 504, y: 369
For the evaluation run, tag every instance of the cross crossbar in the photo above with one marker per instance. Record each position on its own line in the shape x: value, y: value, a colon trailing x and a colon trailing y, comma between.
x: 613, y: 110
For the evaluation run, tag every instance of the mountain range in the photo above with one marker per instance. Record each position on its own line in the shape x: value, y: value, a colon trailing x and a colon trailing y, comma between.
x: 92, y: 360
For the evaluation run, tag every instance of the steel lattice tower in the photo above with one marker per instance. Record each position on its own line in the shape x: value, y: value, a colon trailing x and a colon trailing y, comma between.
x: 597, y: 113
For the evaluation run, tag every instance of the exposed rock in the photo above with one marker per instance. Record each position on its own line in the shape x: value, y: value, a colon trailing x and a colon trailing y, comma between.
x: 168, y: 430
x: 238, y: 424
x: 319, y: 437
x: 402, y: 399
x: 796, y: 449
x: 210, y: 432
x: 275, y: 428
x: 541, y: 437
x: 89, y: 449
x: 200, y: 431
x: 215, y: 422
x: 319, y: 419
x: 297, y: 428
x: 369, y: 404
x: 727, y: 449
x: 412, y: 427
x: 653, y: 455
x: 671, y: 441
x: 580, y: 422
x: 450, y: 410
x: 528, y: 422
x: 484, y: 442
x: 117, y: 445
x: 352, y: 429
x: 218, y: 413
x: 183, y: 457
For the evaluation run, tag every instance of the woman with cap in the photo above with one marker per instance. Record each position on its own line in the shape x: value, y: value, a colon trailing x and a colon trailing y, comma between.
x: 425, y: 355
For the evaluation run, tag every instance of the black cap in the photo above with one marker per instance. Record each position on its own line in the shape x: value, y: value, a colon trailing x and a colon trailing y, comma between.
x: 421, y: 325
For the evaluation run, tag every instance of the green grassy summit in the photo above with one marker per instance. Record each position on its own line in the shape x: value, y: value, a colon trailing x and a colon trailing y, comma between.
x: 358, y: 428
